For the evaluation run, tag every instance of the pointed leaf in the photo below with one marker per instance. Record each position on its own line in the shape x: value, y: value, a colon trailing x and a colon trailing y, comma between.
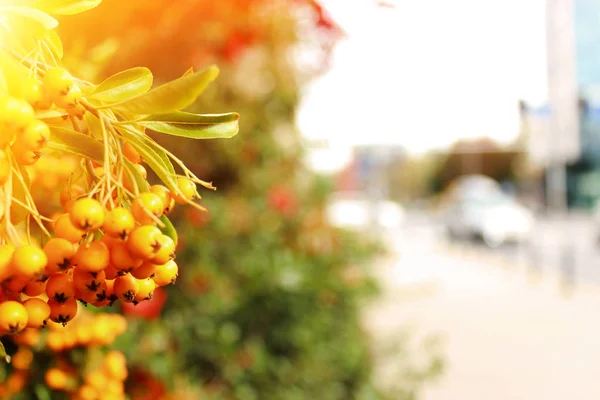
x: 141, y: 182
x: 154, y: 159
x: 124, y: 85
x: 193, y: 126
x: 43, y: 19
x: 3, y: 353
x: 172, y: 96
x: 74, y: 142
x: 66, y: 7
x: 169, y: 229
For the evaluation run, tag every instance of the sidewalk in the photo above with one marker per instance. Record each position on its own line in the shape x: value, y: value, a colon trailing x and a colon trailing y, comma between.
x: 505, y: 336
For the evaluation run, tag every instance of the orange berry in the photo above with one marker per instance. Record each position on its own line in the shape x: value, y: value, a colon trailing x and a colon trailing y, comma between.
x: 166, y: 273
x: 28, y: 260
x: 145, y: 289
x: 60, y: 253
x: 25, y: 156
x: 92, y: 257
x: 38, y: 311
x: 87, y: 214
x: 22, y: 359
x: 13, y: 317
x: 6, y: 254
x: 29, y: 337
x: 119, y: 222
x: 70, y: 100
x: 64, y: 228
x: 88, y: 281
x: 122, y: 260
x: 131, y: 153
x: 16, y: 283
x: 146, y: 270
x: 165, y: 197
x: 187, y: 190
x: 145, y: 206
x: 63, y: 312
x: 166, y: 252
x: 56, y: 379
x: 111, y: 272
x: 34, y: 288
x: 144, y: 242
x: 35, y: 136
x: 57, y: 82
x: 126, y: 287
x: 14, y: 114
x: 60, y: 287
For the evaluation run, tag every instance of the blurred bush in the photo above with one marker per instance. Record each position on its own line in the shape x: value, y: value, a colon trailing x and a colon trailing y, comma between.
x: 268, y: 301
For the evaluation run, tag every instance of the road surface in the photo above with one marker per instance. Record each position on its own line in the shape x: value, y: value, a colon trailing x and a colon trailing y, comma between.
x: 505, y: 337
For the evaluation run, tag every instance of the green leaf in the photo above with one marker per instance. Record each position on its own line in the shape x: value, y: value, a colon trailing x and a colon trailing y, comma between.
x: 3, y: 351
x: 169, y: 229
x: 193, y: 126
x: 172, y: 96
x: 74, y: 142
x: 43, y: 19
x: 153, y: 158
x: 54, y: 44
x: 66, y: 7
x: 142, y: 183
x: 124, y: 85
x: 42, y: 392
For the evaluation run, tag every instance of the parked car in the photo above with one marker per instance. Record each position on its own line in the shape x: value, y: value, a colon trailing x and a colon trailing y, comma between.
x: 353, y: 210
x: 491, y: 216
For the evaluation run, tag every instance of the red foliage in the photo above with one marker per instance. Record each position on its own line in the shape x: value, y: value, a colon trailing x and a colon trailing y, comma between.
x: 282, y: 200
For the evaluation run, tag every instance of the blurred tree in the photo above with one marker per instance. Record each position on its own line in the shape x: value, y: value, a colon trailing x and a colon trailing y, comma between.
x: 269, y: 307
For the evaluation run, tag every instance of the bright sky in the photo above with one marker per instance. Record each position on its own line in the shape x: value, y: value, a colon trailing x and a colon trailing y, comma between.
x: 428, y: 72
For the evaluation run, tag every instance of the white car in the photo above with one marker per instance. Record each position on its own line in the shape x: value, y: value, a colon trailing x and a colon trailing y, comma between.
x: 493, y: 217
x: 354, y: 210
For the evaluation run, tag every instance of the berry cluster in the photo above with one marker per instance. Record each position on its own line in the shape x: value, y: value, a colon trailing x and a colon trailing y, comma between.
x: 102, y: 378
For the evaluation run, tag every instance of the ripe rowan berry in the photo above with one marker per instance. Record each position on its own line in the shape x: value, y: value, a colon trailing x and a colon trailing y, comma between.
x: 14, y: 114
x: 16, y: 283
x: 87, y: 214
x: 6, y: 253
x: 29, y: 337
x: 87, y: 392
x: 145, y: 206
x: 166, y: 273
x: 60, y: 287
x: 23, y: 155
x: 146, y: 270
x: 131, y: 153
x: 145, y: 289
x: 57, y: 82
x: 35, y: 136
x: 92, y: 257
x: 165, y: 196
x: 88, y: 281
x: 56, y: 379
x: 63, y: 312
x: 119, y: 222
x: 38, y: 311
x: 34, y: 288
x: 64, y: 228
x: 70, y: 100
x: 60, y: 253
x: 97, y: 380
x: 166, y: 252
x: 187, y: 190
x: 13, y: 317
x: 144, y: 242
x: 122, y: 260
x: 28, y: 260
x: 22, y: 359
x: 111, y: 272
x: 126, y: 287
